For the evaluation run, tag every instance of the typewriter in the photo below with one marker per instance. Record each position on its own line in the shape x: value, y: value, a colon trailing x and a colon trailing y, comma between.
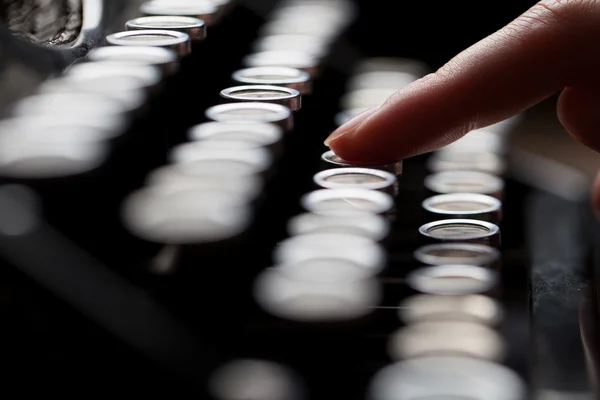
x: 171, y: 224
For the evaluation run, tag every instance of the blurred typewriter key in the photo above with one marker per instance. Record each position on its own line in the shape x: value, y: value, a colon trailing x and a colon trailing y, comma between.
x: 446, y: 377
x: 458, y: 253
x: 308, y: 44
x: 347, y: 202
x: 330, y: 160
x: 357, y: 249
x: 185, y: 216
x: 465, y: 182
x: 252, y: 112
x: 365, y: 98
x: 478, y: 141
x: 255, y: 161
x: 204, y: 10
x: 195, y: 28
x: 365, y: 178
x: 322, y: 270
x: 311, y: 302
x: 371, y: 226
x: 464, y: 205
x: 263, y: 135
x: 279, y: 76
x: 346, y: 115
x: 453, y: 279
x: 164, y: 59
x: 474, y: 308
x: 251, y: 379
x: 380, y: 80
x: 291, y: 59
x: 176, y: 176
x: 462, y: 230
x: 300, y: 25
x: 446, y: 338
x: 179, y: 42
x: 287, y: 97
x: 389, y: 64
x: 466, y: 161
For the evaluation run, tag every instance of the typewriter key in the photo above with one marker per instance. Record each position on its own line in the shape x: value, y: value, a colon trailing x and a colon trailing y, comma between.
x: 291, y: 59
x: 164, y: 59
x: 186, y: 216
x: 311, y: 302
x: 453, y: 279
x: 371, y: 226
x: 357, y: 249
x: 178, y: 176
x: 195, y: 28
x: 364, y: 178
x: 263, y: 135
x: 465, y: 182
x: 446, y: 338
x: 347, y: 202
x: 458, y: 253
x: 179, y: 42
x: 476, y: 141
x: 346, y: 115
x: 466, y: 161
x: 380, y: 80
x: 330, y: 160
x: 300, y: 25
x: 279, y: 76
x: 255, y: 161
x: 448, y: 378
x: 462, y: 230
x: 464, y: 205
x: 287, y: 97
x: 207, y: 11
x: 250, y: 379
x: 329, y: 269
x: 46, y: 159
x: 246, y: 113
x: 389, y: 64
x: 308, y: 44
x: 468, y: 308
x: 365, y: 98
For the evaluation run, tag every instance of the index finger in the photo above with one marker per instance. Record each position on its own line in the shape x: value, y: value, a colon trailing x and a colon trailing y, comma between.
x: 537, y: 54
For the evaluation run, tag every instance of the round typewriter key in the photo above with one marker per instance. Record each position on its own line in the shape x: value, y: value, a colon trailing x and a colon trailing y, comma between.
x: 357, y: 249
x: 326, y: 270
x: 127, y: 76
x: 465, y: 182
x: 207, y: 11
x: 388, y: 64
x: 447, y: 378
x: 466, y: 161
x: 346, y: 115
x: 446, y: 338
x: 457, y: 253
x: 178, y: 176
x: 365, y: 178
x: 287, y: 97
x: 291, y: 59
x: 453, y: 279
x: 250, y: 379
x: 381, y: 80
x: 371, y: 226
x: 262, y: 135
x: 476, y: 141
x: 300, y: 25
x: 195, y: 28
x: 179, y: 42
x: 462, y: 230
x: 45, y: 159
x: 256, y: 160
x: 308, y: 301
x: 330, y: 160
x: 345, y: 202
x: 365, y: 98
x: 308, y: 44
x: 468, y: 308
x: 245, y: 113
x: 279, y: 76
x: 189, y: 215
x: 464, y: 205
x: 164, y: 59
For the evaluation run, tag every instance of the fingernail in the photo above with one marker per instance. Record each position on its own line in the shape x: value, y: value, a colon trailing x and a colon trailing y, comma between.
x: 350, y: 125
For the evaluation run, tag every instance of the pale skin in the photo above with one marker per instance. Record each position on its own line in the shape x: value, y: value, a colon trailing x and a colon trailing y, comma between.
x: 552, y: 47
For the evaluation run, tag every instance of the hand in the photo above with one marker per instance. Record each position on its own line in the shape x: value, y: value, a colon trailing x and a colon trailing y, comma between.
x: 553, y: 46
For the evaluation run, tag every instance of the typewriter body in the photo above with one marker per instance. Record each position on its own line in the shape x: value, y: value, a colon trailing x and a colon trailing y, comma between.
x: 171, y: 223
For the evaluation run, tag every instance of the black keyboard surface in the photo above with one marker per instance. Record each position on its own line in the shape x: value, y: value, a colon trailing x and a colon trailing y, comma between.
x: 162, y: 237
